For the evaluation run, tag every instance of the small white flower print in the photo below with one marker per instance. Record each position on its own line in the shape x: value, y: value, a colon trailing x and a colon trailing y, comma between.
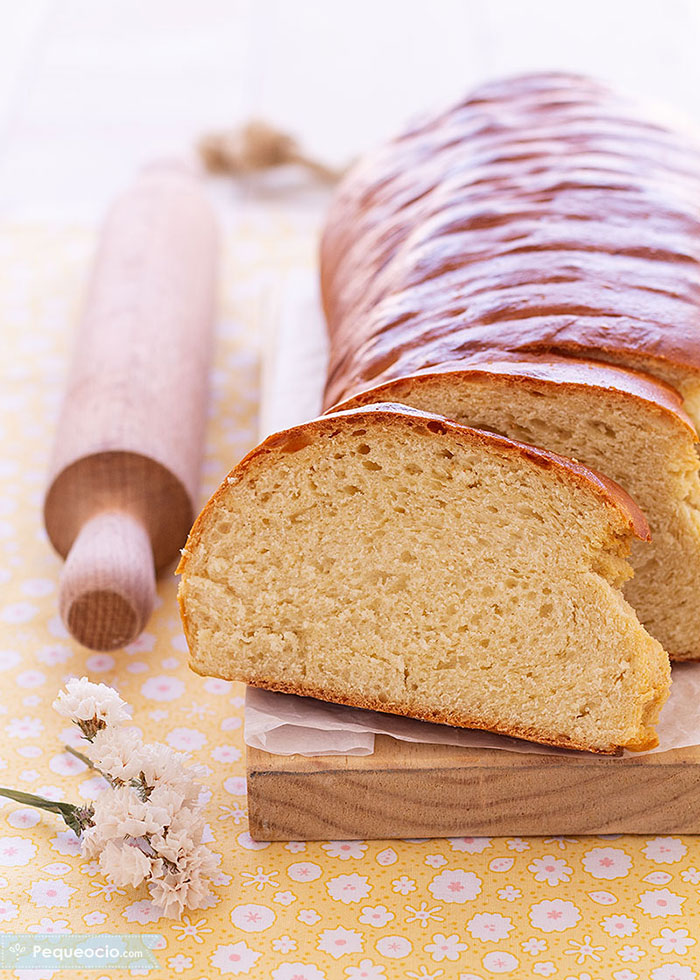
x: 50, y: 894
x: 186, y: 930
x: 304, y: 871
x: 345, y: 849
x: 163, y: 688
x: 394, y: 947
x: 509, y: 893
x: 142, y: 912
x: 660, y: 902
x: 673, y: 971
x: 100, y: 663
x: 619, y: 925
x: 26, y: 727
x: 53, y: 655
x: 469, y: 845
x: 691, y: 875
x: 179, y: 963
x: 545, y: 968
x: 234, y: 958
x: 186, y: 739
x: 674, y: 941
x: 455, y: 885
x: 375, y: 915
x: 231, y: 724
x: 582, y: 951
x: 284, y: 898
x: 252, y: 917
x: 533, y: 946
x: 297, y: 971
x: 16, y: 851
x: 517, y: 844
x: 403, y: 885
x: 445, y: 947
x: 94, y: 918
x: 424, y: 914
x: 607, y: 862
x: 295, y: 846
x: 665, y: 850
x: 561, y: 842
x: 366, y: 970
x: 625, y: 975
x: 435, y: 860
x: 630, y: 954
x: 490, y: 926
x: 8, y: 910
x: 308, y: 916
x: 236, y: 786
x: 260, y: 878
x: 348, y: 888
x: 500, y: 962
x: 285, y: 944
x: 550, y: 869
x: 340, y: 941
x: 226, y: 753
x: 554, y: 916
x: 235, y: 813
x: 51, y: 926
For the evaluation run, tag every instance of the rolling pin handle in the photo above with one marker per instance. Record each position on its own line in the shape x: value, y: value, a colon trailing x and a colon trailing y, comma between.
x: 108, y: 585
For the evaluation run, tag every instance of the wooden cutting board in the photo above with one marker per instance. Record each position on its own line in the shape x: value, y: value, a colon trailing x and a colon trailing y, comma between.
x: 415, y: 790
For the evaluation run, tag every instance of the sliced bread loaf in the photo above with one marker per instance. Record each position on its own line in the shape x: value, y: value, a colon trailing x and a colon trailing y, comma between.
x: 392, y: 559
x: 625, y: 424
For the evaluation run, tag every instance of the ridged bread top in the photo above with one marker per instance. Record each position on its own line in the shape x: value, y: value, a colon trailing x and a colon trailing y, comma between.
x: 542, y: 214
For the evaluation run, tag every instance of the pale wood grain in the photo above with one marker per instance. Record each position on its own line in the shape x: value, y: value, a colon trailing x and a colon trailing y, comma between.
x: 410, y: 789
x: 130, y: 436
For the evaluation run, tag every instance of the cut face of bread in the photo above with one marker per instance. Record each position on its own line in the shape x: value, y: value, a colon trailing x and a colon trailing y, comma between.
x: 619, y: 422
x: 391, y: 559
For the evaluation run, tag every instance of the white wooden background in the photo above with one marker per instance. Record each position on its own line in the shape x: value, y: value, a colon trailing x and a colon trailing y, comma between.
x: 88, y: 88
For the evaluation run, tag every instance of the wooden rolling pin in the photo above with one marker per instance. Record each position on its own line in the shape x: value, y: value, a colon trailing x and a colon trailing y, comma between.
x: 126, y: 463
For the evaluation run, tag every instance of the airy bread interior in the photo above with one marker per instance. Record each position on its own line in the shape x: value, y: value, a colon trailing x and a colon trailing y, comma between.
x: 389, y: 559
x: 647, y: 448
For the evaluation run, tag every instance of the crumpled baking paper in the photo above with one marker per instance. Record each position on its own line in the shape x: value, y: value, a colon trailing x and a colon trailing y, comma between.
x: 285, y: 724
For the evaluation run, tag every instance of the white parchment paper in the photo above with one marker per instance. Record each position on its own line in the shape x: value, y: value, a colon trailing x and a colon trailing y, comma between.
x: 293, y: 377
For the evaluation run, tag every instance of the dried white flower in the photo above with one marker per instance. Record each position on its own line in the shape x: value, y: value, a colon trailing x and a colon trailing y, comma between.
x: 161, y: 765
x: 188, y: 886
x: 120, y: 813
x: 149, y: 825
x: 86, y: 703
x: 117, y: 752
x: 124, y: 863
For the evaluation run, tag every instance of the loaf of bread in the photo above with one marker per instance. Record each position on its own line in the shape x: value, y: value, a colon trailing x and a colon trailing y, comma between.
x: 388, y: 558
x: 542, y: 220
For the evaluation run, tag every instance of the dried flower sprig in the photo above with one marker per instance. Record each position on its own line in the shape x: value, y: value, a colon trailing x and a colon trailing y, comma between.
x: 149, y: 825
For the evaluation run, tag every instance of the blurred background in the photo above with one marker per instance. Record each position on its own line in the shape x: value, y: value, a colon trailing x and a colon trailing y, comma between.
x: 89, y: 89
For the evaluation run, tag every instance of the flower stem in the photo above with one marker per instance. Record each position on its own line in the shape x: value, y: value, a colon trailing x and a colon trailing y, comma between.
x: 90, y: 763
x: 76, y: 817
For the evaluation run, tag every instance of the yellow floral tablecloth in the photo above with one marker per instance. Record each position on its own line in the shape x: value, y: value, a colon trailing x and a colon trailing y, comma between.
x: 613, y: 908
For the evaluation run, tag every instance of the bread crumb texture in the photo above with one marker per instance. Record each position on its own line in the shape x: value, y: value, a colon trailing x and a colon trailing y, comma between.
x: 391, y: 560
x: 645, y: 446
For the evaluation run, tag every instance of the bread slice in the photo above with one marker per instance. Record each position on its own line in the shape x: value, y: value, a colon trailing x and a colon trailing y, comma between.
x: 625, y: 424
x: 392, y: 559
